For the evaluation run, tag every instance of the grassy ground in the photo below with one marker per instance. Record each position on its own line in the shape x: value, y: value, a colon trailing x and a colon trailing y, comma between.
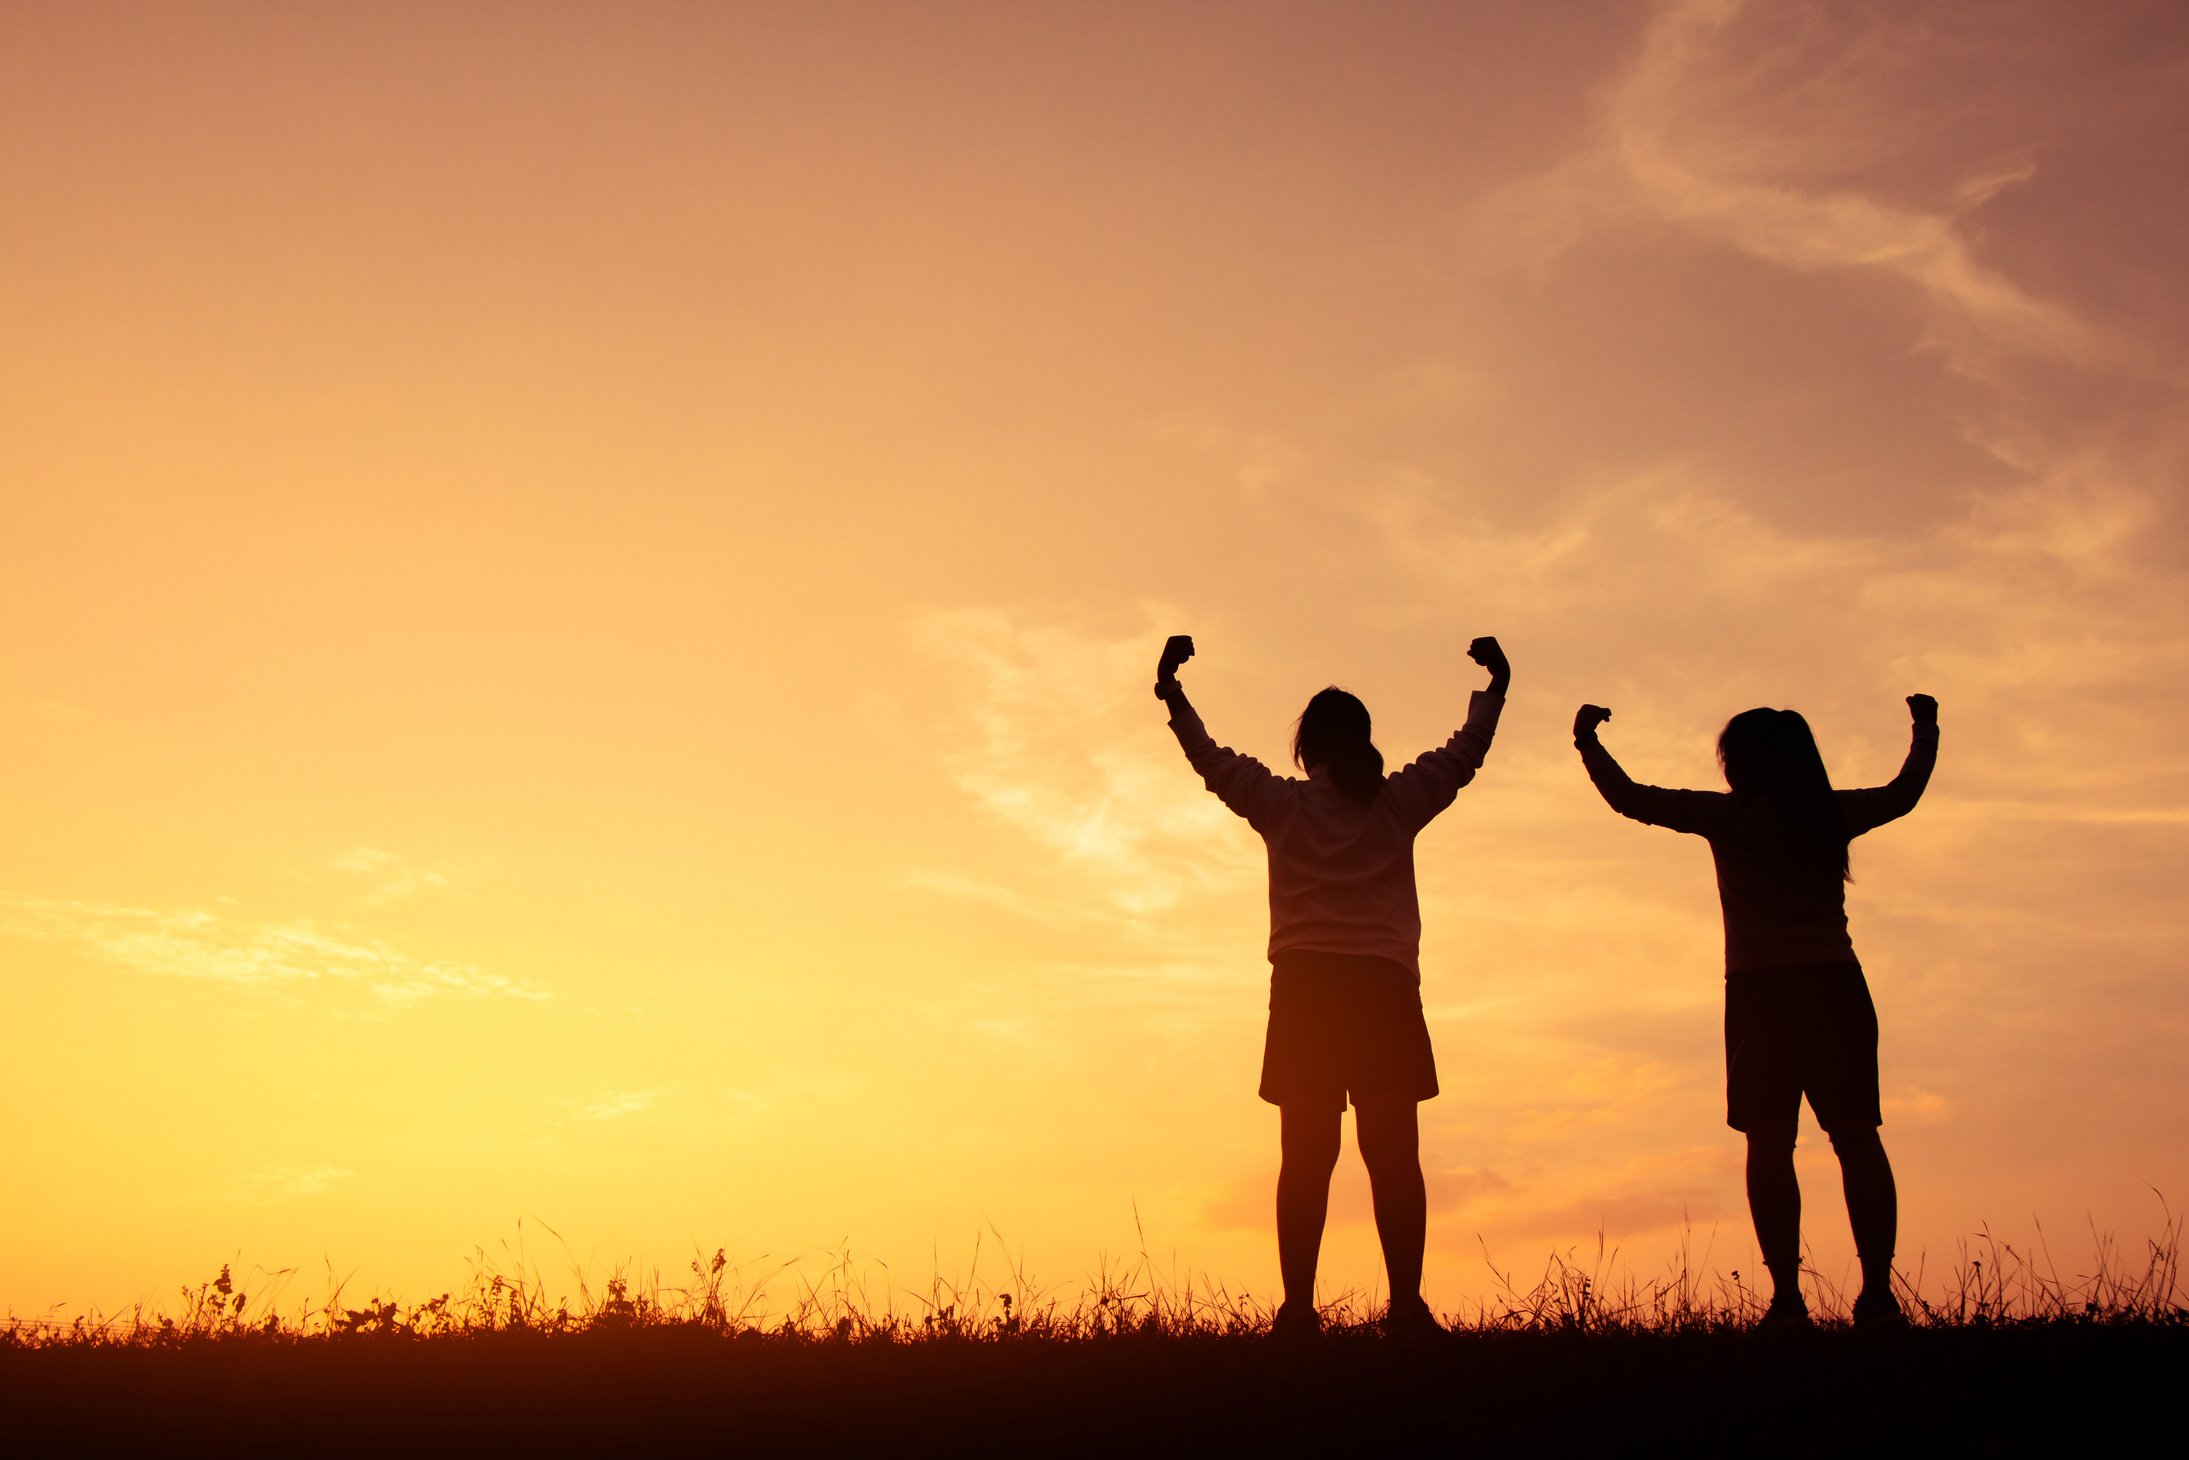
x: 2003, y: 1358
x: 2062, y: 1388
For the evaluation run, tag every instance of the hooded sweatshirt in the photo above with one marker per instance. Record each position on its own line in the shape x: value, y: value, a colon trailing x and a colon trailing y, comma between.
x: 1341, y: 874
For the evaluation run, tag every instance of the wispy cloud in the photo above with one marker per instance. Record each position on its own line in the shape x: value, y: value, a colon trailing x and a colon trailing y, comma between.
x: 1063, y: 747
x: 1258, y: 462
x: 272, y: 1184
x: 2028, y: 600
x: 389, y: 877
x: 272, y: 957
x: 1756, y: 127
x: 616, y: 1104
x: 1619, y: 1215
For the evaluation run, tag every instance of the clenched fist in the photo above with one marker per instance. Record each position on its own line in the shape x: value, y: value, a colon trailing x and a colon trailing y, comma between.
x: 1486, y: 652
x: 1177, y: 649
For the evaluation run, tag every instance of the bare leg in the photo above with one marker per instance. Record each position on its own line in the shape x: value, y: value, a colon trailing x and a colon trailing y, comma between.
x: 1311, y: 1137
x: 1390, y: 1140
x: 1873, y: 1204
x: 1774, y: 1202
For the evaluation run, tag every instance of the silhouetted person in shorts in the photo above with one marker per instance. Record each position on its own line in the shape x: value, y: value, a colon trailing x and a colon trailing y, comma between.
x: 1798, y: 1016
x: 1345, y: 974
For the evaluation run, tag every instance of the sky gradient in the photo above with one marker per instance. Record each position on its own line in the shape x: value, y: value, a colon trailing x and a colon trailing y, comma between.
x: 580, y: 581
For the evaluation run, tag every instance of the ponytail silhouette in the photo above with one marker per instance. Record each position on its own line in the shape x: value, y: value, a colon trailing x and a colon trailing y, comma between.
x: 1333, y: 731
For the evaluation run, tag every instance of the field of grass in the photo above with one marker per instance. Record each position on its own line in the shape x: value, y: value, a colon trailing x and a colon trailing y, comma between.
x: 2006, y: 1355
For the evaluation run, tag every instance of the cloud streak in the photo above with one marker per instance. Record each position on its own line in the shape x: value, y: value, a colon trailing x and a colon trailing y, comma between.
x: 390, y: 878
x: 276, y: 958
x: 1730, y: 129
x: 618, y: 1104
x: 276, y: 1184
x: 1060, y: 751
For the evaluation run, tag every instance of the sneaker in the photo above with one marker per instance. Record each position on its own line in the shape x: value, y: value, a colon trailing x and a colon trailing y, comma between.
x: 1876, y: 1310
x: 1410, y: 1319
x: 1296, y: 1323
x: 1787, y: 1314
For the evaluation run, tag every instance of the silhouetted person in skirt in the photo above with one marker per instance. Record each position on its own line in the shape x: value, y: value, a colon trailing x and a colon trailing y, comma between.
x: 1798, y: 1016
x: 1345, y: 1015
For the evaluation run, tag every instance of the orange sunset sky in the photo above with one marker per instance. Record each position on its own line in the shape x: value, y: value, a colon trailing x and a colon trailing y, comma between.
x: 578, y: 586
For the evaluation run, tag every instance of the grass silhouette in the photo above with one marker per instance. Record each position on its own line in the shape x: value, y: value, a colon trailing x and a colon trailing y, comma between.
x: 2006, y: 1353
x: 1993, y: 1283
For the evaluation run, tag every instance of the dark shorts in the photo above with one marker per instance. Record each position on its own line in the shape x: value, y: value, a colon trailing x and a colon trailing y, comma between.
x: 1342, y: 1024
x: 1791, y: 1032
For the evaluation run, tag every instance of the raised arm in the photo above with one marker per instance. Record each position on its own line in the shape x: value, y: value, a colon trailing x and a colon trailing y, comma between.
x: 1239, y: 781
x: 1869, y: 809
x: 1427, y: 786
x: 1690, y: 811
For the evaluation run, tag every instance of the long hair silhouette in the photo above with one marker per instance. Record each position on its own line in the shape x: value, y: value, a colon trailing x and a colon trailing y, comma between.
x: 1772, y: 754
x: 1333, y: 731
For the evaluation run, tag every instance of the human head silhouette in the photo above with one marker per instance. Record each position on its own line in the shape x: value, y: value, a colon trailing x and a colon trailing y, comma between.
x: 1771, y: 753
x: 1770, y: 750
x: 1333, y: 731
